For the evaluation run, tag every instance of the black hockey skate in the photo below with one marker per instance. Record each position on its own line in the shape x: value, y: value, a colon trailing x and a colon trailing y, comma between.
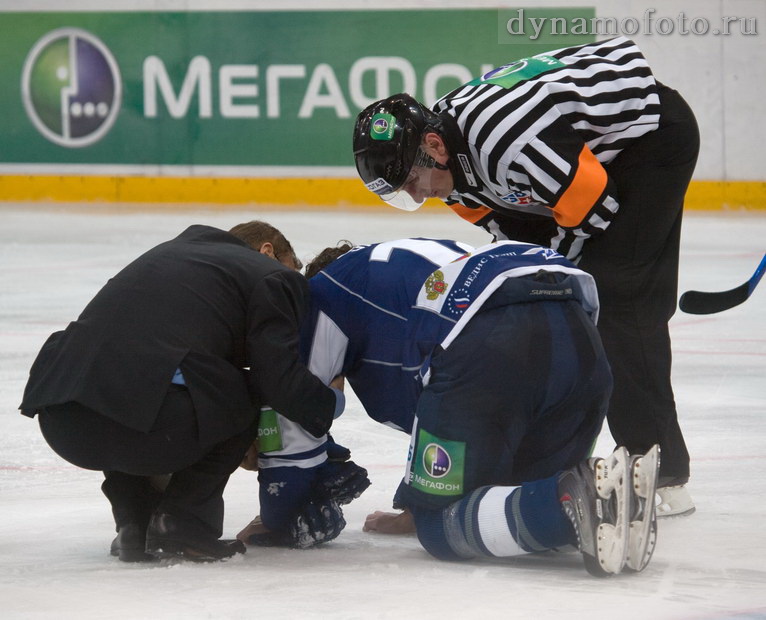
x: 642, y: 536
x: 595, y: 495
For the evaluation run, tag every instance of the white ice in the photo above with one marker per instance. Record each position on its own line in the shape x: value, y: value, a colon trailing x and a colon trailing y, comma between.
x: 55, y: 526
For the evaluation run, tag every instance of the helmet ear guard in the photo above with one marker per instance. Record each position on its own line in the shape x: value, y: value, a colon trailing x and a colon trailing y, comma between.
x: 387, y: 139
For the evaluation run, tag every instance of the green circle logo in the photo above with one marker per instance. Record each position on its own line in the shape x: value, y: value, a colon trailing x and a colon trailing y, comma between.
x: 71, y: 87
x: 506, y: 69
x: 382, y: 126
x: 436, y: 461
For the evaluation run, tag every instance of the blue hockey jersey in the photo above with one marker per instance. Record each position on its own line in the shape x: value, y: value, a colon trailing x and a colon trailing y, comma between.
x: 454, y: 293
x: 359, y: 327
x: 377, y: 313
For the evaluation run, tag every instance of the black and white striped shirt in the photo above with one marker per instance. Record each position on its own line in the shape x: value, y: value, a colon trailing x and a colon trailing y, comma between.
x: 539, y: 130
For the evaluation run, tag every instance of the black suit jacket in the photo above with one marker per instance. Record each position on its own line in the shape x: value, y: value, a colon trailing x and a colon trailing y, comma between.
x: 203, y: 302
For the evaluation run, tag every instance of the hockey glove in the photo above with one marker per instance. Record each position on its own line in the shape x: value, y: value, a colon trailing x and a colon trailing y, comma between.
x: 336, y: 452
x: 316, y: 523
x: 342, y: 482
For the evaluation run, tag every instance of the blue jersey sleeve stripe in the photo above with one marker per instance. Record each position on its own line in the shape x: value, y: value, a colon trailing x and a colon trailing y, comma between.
x: 367, y: 301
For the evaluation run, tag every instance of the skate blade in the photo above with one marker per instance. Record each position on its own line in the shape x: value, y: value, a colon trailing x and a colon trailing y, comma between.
x: 673, y: 515
x: 643, y: 531
x: 613, y: 487
x: 673, y: 501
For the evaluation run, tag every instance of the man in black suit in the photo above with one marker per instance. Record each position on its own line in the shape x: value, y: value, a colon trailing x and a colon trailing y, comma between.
x: 165, y: 371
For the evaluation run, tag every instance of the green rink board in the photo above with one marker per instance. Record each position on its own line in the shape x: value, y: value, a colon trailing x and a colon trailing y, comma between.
x: 232, y: 88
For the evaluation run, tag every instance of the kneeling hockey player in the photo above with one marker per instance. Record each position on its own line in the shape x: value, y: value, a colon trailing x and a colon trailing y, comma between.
x: 497, y: 356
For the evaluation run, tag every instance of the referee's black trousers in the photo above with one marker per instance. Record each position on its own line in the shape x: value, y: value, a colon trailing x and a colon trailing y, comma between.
x: 635, y: 264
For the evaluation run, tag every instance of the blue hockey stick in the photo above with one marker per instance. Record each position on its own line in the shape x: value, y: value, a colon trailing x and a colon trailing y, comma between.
x: 700, y: 302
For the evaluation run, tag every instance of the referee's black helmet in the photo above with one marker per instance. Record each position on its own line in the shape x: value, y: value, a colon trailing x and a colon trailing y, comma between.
x: 387, y: 135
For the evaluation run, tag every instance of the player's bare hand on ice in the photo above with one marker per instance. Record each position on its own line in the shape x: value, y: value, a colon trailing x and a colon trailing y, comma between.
x: 317, y: 522
x: 390, y: 522
x: 254, y: 527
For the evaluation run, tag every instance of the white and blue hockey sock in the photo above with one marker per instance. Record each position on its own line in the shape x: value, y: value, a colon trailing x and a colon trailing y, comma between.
x: 497, y: 521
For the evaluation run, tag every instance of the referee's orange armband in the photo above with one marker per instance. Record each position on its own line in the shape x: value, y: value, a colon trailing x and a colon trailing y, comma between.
x: 583, y: 193
x: 469, y: 214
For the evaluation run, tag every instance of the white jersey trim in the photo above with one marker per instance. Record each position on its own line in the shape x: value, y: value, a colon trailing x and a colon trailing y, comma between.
x: 328, y: 349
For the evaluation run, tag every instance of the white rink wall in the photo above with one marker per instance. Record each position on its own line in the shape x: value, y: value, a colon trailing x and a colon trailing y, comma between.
x: 722, y: 76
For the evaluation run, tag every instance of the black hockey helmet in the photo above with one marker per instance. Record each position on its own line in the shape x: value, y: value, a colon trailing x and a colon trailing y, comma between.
x: 387, y: 136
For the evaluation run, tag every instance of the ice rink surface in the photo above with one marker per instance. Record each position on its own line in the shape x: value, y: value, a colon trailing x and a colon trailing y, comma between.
x: 55, y: 526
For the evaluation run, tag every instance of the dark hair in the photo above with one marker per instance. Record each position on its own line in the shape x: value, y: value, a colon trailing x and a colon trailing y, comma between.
x: 326, y: 256
x: 256, y: 233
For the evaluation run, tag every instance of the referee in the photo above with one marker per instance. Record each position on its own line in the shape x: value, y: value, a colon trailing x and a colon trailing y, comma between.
x: 582, y: 150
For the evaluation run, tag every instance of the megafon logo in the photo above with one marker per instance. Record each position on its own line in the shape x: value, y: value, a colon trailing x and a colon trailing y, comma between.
x: 436, y: 461
x: 71, y: 87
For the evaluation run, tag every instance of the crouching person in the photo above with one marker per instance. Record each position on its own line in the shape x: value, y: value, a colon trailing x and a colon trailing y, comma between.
x: 165, y: 371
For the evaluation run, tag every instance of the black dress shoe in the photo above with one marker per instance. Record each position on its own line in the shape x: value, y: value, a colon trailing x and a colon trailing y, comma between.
x: 169, y: 537
x: 129, y: 544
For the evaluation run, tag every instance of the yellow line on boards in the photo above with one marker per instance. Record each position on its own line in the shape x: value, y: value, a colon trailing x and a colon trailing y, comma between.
x: 726, y: 195
x: 293, y: 192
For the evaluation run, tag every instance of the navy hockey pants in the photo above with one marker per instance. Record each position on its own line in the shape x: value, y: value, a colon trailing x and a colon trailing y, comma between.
x: 520, y: 395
